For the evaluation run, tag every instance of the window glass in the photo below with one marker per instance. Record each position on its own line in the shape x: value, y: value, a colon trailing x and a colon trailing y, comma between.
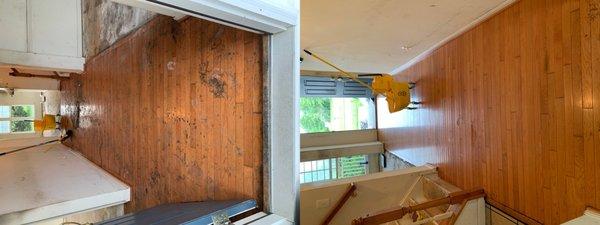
x: 324, y: 114
x: 4, y: 111
x: 4, y: 127
x: 334, y: 168
x: 20, y: 126
x: 16, y: 119
x: 25, y: 111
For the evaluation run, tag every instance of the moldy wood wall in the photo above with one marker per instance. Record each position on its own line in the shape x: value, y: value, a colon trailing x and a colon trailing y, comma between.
x: 513, y: 106
x: 175, y: 111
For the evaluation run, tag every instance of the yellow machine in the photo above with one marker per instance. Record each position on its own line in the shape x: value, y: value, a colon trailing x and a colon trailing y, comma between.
x: 397, y: 94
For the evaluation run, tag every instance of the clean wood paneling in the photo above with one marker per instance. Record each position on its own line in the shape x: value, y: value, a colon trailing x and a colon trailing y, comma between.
x: 175, y: 111
x: 513, y: 106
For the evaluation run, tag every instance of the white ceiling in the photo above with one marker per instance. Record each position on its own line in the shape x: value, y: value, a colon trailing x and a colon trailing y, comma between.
x: 382, y: 35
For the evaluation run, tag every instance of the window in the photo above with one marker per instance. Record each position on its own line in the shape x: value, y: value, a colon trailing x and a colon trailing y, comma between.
x: 16, y: 119
x: 328, y: 104
x: 324, y: 114
x: 334, y: 168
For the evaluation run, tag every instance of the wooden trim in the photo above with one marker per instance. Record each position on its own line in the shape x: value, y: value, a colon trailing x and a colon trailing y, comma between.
x: 16, y: 73
x: 517, y: 215
x: 340, y: 204
x: 455, y: 215
x: 399, y: 212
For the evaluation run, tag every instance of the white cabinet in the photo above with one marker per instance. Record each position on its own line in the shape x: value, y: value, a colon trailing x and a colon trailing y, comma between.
x: 13, y: 24
x: 41, y: 34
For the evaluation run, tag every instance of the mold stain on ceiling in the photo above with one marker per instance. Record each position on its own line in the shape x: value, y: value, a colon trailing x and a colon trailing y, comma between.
x: 380, y: 36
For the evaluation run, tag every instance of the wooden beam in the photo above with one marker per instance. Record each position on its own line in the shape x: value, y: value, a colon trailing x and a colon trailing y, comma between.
x: 16, y: 73
x: 340, y: 204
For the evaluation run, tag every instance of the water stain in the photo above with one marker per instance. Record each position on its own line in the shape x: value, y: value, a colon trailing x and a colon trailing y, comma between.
x: 214, y: 79
x: 154, y: 177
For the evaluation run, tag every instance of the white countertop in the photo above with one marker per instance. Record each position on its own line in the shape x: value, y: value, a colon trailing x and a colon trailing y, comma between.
x: 52, y: 181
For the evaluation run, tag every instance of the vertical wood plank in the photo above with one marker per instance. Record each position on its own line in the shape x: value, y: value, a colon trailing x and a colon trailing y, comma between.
x: 514, y: 101
x: 168, y: 109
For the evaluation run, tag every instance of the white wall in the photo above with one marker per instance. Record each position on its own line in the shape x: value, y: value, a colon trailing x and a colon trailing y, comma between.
x: 24, y: 98
x: 52, y: 104
x: 374, y: 192
x: 283, y: 121
x: 7, y: 81
x: 290, y: 5
x: 590, y: 217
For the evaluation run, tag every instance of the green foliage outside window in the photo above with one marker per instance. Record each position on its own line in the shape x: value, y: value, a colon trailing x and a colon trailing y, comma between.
x: 316, y: 113
x: 21, y: 126
x: 22, y: 111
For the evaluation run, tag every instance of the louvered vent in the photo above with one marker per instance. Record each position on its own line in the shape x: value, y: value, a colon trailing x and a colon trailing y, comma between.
x: 327, y: 87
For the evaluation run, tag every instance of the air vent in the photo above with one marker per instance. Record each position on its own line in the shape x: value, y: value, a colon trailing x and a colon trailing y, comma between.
x: 327, y: 87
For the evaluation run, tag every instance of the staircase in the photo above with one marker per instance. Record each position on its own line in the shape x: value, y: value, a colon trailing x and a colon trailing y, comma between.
x: 426, y: 189
x: 381, y: 196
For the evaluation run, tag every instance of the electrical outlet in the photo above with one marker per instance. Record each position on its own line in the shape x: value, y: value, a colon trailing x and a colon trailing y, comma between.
x: 322, y: 203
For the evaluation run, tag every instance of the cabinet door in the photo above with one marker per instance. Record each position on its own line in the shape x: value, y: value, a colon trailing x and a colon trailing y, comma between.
x: 55, y: 27
x: 13, y: 25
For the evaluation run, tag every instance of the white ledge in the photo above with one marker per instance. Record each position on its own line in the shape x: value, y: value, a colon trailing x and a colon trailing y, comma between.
x: 52, y: 181
x: 334, y: 151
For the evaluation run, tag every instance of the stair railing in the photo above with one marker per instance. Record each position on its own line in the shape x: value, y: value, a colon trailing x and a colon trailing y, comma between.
x: 340, y: 204
x: 460, y: 197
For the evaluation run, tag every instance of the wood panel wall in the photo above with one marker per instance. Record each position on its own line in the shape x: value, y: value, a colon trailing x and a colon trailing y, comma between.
x: 175, y: 111
x: 513, y: 106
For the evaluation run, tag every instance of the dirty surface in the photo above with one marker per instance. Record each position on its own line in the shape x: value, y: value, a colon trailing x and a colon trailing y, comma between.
x: 214, y: 79
x: 174, y: 110
x: 105, y: 22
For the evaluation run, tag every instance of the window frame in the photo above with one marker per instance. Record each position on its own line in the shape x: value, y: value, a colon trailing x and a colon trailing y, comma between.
x: 334, y: 170
x: 11, y: 118
x: 371, y: 104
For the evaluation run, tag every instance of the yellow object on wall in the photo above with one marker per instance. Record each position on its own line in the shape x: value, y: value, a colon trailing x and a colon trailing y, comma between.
x: 48, y: 123
x: 397, y: 93
x: 38, y: 125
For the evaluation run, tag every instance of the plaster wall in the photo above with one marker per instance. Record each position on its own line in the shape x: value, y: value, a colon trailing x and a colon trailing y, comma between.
x: 105, y: 22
